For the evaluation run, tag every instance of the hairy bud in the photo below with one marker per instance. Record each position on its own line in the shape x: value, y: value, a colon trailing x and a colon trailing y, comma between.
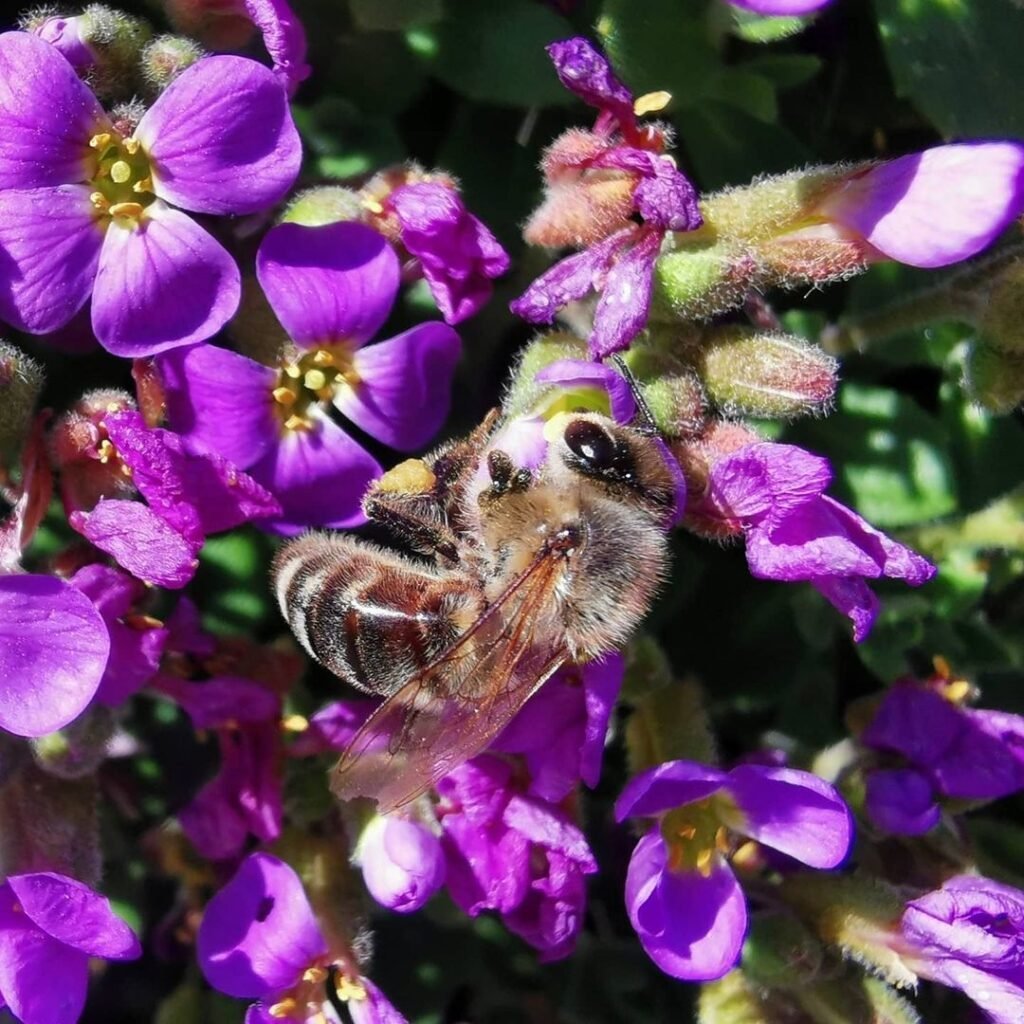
x: 326, y: 204
x: 78, y: 749
x: 21, y: 380
x: 524, y: 391
x: 994, y: 377
x: 779, y: 952
x: 1002, y: 321
x: 671, y: 390
x: 166, y: 57
x: 667, y: 724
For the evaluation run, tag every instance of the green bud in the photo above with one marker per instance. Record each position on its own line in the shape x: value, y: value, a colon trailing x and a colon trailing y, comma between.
x: 887, y: 1005
x: 747, y: 372
x: 779, y: 952
x: 78, y: 749
x: 326, y: 204
x: 523, y: 391
x: 669, y: 724
x: 736, y: 1000
x: 647, y: 668
x: 166, y: 57
x: 116, y: 39
x: 994, y: 377
x: 670, y: 388
x: 1002, y: 322
x: 255, y: 328
x: 21, y: 380
x: 699, y: 283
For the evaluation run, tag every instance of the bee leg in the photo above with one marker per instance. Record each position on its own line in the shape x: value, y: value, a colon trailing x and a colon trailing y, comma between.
x: 506, y: 476
x: 417, y: 519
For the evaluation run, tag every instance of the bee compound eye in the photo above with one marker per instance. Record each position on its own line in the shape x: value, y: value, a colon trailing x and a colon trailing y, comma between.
x: 591, y: 444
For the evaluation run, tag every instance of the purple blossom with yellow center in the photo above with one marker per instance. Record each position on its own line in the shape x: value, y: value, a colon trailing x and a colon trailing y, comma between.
x: 682, y: 897
x: 619, y: 261
x: 50, y: 927
x: 331, y: 288
x: 774, y: 495
x: 259, y: 939
x: 89, y: 210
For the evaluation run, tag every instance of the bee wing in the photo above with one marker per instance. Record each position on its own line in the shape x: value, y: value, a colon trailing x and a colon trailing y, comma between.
x: 454, y: 707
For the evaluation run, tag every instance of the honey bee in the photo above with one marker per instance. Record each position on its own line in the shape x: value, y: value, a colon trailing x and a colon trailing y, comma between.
x: 519, y: 572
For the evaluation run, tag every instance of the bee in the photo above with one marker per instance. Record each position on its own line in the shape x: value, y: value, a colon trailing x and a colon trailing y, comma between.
x: 517, y: 573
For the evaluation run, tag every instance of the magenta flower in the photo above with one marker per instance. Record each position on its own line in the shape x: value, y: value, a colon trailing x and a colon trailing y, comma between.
x: 950, y: 751
x: 54, y: 648
x: 402, y: 862
x: 259, y: 939
x: 457, y: 253
x: 681, y: 895
x: 188, y: 495
x: 774, y: 495
x: 619, y: 262
x: 50, y: 926
x: 136, y: 641
x: 283, y: 36
x: 332, y: 288
x: 87, y: 211
x: 513, y: 853
x: 969, y: 935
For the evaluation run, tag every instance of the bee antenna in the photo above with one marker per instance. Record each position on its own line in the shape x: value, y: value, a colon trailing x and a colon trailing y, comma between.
x: 643, y: 419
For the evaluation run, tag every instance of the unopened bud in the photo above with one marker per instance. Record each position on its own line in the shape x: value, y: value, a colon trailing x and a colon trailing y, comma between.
x: 747, y: 372
x: 21, y: 380
x: 669, y: 724
x: 994, y: 377
x: 524, y: 390
x: 734, y: 1000
x: 326, y: 204
x: 700, y: 279
x: 779, y: 952
x: 68, y: 34
x: 671, y: 390
x: 166, y: 57
x: 1002, y: 322
x: 78, y: 749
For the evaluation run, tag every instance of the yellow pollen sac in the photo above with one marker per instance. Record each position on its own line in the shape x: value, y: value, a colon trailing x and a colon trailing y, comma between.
x: 298, y: 423
x: 704, y: 862
x: 106, y: 451
x: 348, y: 989
x: 285, y: 1008
x: 314, y: 974
x: 293, y: 371
x: 126, y: 211
x: 100, y: 201
x: 297, y: 723
x: 413, y: 476
x: 323, y: 357
x: 100, y: 141
x: 651, y: 102
x: 285, y: 396
x: 315, y: 380
x: 372, y: 206
x: 144, y: 185
x: 120, y: 172
x: 131, y: 146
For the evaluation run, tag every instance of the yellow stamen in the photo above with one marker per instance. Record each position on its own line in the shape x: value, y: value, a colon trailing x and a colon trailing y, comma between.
x: 323, y: 357
x: 348, y: 989
x: 143, y: 185
x: 295, y: 723
x: 141, y: 622
x: 106, y: 451
x: 297, y: 423
x: 100, y: 141
x: 285, y: 1008
x: 99, y: 200
x: 704, y: 862
x: 284, y: 396
x: 942, y: 667
x: 131, y: 146
x: 293, y: 371
x: 120, y: 172
x: 957, y: 692
x: 315, y: 380
x: 651, y: 102
x: 126, y: 211
x: 314, y: 974
x: 373, y: 206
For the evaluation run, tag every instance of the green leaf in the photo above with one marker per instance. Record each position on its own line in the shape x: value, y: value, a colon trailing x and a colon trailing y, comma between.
x: 494, y: 53
x: 394, y: 15
x: 958, y: 61
x: 756, y: 28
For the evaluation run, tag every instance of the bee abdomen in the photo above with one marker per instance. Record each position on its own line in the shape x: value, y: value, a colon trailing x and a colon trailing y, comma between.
x: 372, y: 618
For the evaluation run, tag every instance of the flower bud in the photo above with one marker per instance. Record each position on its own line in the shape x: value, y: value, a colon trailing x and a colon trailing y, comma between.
x: 166, y: 57
x: 669, y: 724
x: 524, y: 389
x: 69, y: 35
x: 78, y: 749
x: 699, y: 279
x: 994, y: 377
x: 671, y: 390
x: 21, y: 380
x: 770, y: 374
x: 1002, y: 321
x: 402, y: 862
x: 326, y: 204
x: 149, y: 391
x: 779, y: 952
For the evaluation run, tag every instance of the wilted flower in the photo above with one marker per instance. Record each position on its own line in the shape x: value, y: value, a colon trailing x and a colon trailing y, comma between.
x: 681, y: 895
x: 259, y: 939
x: 87, y: 209
x: 332, y: 288
x: 50, y: 926
x: 969, y: 935
x: 950, y: 751
x: 597, y: 181
x: 774, y: 495
x: 401, y: 860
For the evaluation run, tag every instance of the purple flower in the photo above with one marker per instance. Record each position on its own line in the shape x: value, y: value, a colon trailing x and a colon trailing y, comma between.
x: 259, y: 939
x: 950, y: 751
x: 283, y: 36
x: 332, y: 728
x: 402, y: 862
x: 774, y: 495
x: 188, y: 495
x: 580, y: 206
x: 933, y: 208
x: 681, y: 896
x: 50, y: 926
x: 136, y: 641
x: 68, y: 35
x: 54, y: 648
x: 457, y: 253
x: 969, y: 935
x: 513, y: 853
x: 85, y: 210
x: 332, y: 288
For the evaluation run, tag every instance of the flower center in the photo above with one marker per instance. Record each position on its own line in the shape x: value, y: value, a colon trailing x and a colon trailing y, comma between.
x: 122, y: 185
x: 309, y: 381
x: 694, y: 834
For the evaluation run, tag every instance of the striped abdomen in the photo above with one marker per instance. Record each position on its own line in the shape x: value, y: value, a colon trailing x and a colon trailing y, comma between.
x: 372, y: 618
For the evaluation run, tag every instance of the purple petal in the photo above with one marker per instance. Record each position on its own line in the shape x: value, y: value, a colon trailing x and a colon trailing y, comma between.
x: 479, y: 788
x: 934, y: 208
x: 666, y: 787
x: 402, y: 863
x: 577, y: 373
x: 984, y: 761
x: 47, y: 116
x: 567, y: 280
x: 67, y: 35
x: 332, y: 727
x: 915, y: 722
x: 319, y: 476
x: 75, y: 915
x: 258, y: 933
x: 781, y: 7
x: 793, y: 812
x: 375, y: 1008
x: 223, y: 701
x: 853, y: 597
x: 625, y: 301
x: 330, y: 284
x: 50, y: 245
x: 41, y: 979
x: 1002, y: 998
x: 284, y: 38
x: 602, y: 681
x: 586, y: 73
x: 221, y: 402
x: 546, y: 825
x: 54, y: 648
x: 139, y: 541
x: 488, y: 868
x: 667, y: 199
x: 161, y: 284
x: 404, y: 388
x: 221, y: 139
x: 902, y: 802
x: 690, y: 925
